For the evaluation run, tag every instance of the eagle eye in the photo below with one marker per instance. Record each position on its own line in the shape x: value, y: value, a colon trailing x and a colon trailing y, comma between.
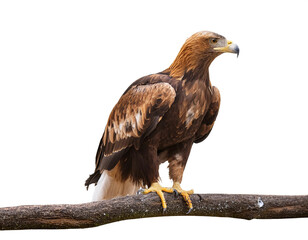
x: 214, y: 40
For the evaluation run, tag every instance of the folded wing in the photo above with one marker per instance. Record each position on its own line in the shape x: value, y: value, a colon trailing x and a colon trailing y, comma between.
x: 134, y: 117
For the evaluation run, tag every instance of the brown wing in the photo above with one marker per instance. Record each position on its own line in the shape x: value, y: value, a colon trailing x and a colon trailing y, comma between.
x: 134, y: 117
x: 209, y: 118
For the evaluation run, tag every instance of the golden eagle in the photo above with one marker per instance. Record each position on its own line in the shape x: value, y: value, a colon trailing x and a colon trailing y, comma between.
x: 157, y: 119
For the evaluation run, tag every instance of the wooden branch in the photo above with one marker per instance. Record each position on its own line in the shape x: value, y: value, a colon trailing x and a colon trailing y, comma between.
x: 141, y: 206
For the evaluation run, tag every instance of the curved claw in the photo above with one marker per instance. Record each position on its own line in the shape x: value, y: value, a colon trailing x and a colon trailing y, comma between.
x: 140, y: 191
x: 189, y: 210
x: 164, y: 209
x: 176, y: 193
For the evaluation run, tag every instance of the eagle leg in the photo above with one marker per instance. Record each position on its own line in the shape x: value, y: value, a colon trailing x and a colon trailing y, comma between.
x: 185, y: 194
x: 155, y: 187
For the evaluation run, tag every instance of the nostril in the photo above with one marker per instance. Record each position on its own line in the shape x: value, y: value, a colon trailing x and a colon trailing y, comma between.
x: 229, y: 42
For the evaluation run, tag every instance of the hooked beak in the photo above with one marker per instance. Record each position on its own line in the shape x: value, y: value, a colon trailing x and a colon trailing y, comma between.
x: 231, y: 48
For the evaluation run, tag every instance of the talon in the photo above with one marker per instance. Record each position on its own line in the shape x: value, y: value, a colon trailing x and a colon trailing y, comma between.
x: 185, y: 194
x: 176, y: 193
x: 155, y: 187
x: 189, y: 210
x: 139, y: 191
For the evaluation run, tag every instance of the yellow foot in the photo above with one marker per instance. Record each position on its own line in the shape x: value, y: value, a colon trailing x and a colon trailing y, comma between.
x: 185, y: 194
x: 155, y: 187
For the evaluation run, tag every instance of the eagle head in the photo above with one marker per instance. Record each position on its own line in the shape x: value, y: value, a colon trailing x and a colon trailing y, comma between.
x: 198, y: 52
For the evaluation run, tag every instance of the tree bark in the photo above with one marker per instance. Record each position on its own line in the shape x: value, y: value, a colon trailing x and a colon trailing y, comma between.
x: 141, y: 206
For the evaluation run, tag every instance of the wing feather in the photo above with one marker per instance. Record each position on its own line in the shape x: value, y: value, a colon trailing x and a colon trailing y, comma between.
x: 134, y: 117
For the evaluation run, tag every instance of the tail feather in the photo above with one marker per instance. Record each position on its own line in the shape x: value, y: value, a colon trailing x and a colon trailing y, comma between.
x: 93, y: 178
x: 110, y: 186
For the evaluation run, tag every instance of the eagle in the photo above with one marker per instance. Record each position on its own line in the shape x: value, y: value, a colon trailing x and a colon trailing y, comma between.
x: 157, y: 119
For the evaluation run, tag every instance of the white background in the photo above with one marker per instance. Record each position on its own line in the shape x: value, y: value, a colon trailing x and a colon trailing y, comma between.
x: 64, y: 64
